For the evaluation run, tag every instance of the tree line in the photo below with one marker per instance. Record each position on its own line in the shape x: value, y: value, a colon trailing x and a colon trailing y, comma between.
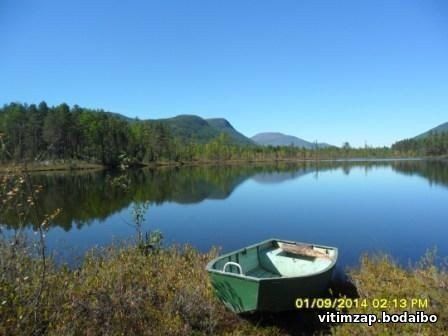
x: 433, y: 144
x: 41, y: 132
x: 36, y: 133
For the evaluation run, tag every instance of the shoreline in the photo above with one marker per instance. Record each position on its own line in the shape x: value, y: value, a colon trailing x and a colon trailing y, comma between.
x: 51, y: 166
x: 82, y: 165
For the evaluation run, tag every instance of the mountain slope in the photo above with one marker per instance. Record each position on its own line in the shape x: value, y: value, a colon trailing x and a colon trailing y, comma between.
x: 223, y: 126
x: 439, y: 129
x: 197, y: 129
x: 189, y: 127
x: 280, y: 139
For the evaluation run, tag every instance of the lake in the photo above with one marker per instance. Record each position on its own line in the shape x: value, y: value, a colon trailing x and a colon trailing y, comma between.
x: 398, y: 207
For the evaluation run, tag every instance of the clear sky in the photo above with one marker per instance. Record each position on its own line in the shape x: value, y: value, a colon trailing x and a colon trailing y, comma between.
x: 332, y: 71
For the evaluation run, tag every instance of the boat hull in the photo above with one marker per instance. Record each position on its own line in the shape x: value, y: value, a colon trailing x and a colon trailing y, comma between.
x: 239, y: 295
x: 281, y: 295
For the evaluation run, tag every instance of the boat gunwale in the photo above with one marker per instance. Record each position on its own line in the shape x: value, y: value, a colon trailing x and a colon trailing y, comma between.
x: 248, y: 277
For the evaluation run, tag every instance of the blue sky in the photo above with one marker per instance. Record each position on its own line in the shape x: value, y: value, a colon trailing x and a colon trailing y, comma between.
x: 332, y: 71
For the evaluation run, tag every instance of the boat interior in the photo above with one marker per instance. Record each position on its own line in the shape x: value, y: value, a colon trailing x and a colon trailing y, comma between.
x: 275, y: 259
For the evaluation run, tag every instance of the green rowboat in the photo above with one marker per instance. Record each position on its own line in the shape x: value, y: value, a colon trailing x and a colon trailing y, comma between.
x: 271, y: 275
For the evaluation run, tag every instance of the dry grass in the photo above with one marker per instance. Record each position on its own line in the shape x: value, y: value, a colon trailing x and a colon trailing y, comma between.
x: 115, y: 291
x: 381, y: 278
x: 53, y: 165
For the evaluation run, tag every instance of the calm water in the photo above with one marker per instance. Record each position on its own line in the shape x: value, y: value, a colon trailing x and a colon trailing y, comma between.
x: 396, y: 207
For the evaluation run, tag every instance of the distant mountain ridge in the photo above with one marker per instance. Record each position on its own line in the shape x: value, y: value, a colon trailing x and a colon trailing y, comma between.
x: 192, y: 128
x: 442, y: 128
x: 280, y: 139
x: 189, y: 127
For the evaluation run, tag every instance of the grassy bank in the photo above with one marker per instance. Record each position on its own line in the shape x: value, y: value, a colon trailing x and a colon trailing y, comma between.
x: 121, y: 290
x: 115, y: 291
x: 57, y: 165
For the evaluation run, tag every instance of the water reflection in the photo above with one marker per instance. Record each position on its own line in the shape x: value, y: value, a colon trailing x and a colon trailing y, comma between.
x: 436, y: 172
x: 86, y: 197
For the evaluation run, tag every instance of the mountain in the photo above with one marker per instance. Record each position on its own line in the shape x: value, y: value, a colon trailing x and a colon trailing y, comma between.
x: 192, y: 127
x: 223, y: 126
x: 443, y: 128
x: 280, y: 139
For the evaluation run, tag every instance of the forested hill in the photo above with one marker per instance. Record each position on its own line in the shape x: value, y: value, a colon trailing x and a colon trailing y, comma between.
x: 223, y: 126
x: 433, y: 142
x: 40, y: 132
x: 443, y: 128
x: 194, y: 128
